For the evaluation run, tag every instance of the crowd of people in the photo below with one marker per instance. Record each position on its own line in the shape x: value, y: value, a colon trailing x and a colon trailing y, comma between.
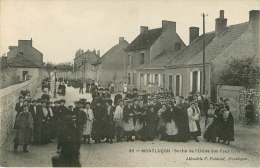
x: 141, y: 116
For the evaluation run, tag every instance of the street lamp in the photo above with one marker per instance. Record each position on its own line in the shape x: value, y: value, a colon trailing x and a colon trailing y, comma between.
x: 55, y: 70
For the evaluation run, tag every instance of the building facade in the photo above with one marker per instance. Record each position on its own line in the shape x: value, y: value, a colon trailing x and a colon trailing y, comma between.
x: 146, y: 46
x: 111, y: 66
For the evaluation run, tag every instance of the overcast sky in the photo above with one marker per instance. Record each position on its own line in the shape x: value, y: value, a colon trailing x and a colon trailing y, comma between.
x: 59, y: 28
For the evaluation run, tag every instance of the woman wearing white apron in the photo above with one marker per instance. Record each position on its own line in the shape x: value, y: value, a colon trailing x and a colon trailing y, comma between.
x: 87, y: 129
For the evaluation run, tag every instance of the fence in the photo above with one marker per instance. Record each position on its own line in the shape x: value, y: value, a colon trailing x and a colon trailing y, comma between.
x: 8, y: 99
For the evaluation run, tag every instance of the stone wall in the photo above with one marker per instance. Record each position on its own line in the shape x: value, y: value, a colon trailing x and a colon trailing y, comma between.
x: 8, y: 99
x: 231, y: 93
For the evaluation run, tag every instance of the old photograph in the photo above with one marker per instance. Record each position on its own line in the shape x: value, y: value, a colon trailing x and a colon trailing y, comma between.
x: 130, y: 83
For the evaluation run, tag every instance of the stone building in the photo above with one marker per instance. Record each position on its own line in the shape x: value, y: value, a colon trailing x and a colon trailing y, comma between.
x: 83, y: 67
x: 25, y: 60
x: 184, y: 71
x: 146, y: 46
x: 111, y: 66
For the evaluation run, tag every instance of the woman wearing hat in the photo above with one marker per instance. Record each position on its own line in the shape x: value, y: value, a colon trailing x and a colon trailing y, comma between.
x: 95, y: 95
x: 87, y: 129
x: 99, y: 117
x: 24, y: 123
x: 44, y: 123
x: 170, y: 116
x: 109, y: 121
x: 227, y: 127
x: 81, y: 119
x: 161, y: 125
x: 210, y: 124
x: 249, y: 112
x: 151, y: 119
x: 118, y: 118
x: 128, y: 113
x: 193, y: 117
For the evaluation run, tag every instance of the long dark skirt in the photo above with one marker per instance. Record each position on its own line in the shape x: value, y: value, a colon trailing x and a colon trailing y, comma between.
x: 111, y: 131
x: 59, y: 161
x: 210, y: 133
x: 97, y: 130
x: 183, y: 131
x: 45, y: 133
x: 227, y: 132
x: 151, y: 129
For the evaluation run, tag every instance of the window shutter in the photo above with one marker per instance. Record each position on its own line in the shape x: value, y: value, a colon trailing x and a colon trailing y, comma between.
x: 174, y: 84
x: 180, y: 85
x: 145, y: 79
x: 159, y: 79
x: 191, y: 80
x: 198, y: 87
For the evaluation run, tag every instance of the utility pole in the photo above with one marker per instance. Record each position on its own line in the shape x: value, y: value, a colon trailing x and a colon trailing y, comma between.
x: 204, y: 71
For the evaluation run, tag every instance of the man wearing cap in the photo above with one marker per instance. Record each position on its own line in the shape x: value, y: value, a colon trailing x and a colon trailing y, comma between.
x: 128, y: 95
x: 106, y: 94
x: 76, y: 108
x: 81, y: 88
x: 63, y: 111
x: 56, y: 119
x: 128, y: 113
x: 135, y: 94
x: 45, y: 96
x: 99, y: 117
x: 24, y: 123
x: 18, y: 109
x: 118, y: 118
x: 145, y: 97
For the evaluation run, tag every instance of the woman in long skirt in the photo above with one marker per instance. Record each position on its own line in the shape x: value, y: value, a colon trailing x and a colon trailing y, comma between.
x: 171, y: 126
x: 161, y: 125
x: 87, y: 129
x: 210, y: 127
x: 227, y: 127
x: 128, y: 113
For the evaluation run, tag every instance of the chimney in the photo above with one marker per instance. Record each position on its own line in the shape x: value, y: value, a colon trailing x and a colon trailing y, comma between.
x: 221, y: 23
x: 98, y: 53
x: 168, y: 25
x: 254, y: 19
x: 194, y: 33
x: 143, y: 29
x: 121, y: 40
x: 94, y: 51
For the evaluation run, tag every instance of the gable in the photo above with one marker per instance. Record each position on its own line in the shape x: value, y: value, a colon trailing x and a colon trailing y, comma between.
x: 145, y: 39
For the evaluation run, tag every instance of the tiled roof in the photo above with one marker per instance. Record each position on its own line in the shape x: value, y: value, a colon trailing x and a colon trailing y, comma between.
x: 145, y: 39
x: 21, y: 62
x: 159, y: 61
x: 190, y: 51
x: 109, y: 52
x: 220, y: 43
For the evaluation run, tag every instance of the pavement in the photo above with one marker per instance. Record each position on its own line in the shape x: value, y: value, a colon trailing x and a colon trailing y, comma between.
x: 243, y: 152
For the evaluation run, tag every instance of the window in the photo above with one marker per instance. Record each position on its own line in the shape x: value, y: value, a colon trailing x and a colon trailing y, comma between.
x: 163, y: 80
x: 177, y: 85
x: 156, y: 80
x: 177, y: 46
x: 170, y: 82
x: 133, y: 79
x: 194, y: 81
x: 141, y: 55
x: 129, y: 78
x: 129, y: 59
x: 148, y: 79
x: 24, y: 73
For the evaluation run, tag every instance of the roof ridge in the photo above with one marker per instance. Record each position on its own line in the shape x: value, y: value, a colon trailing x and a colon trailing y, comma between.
x: 238, y: 24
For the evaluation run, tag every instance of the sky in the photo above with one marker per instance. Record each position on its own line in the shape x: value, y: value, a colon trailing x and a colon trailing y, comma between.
x: 59, y: 28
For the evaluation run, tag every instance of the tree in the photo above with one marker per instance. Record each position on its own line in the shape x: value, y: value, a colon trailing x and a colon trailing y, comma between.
x: 49, y: 66
x: 241, y: 72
